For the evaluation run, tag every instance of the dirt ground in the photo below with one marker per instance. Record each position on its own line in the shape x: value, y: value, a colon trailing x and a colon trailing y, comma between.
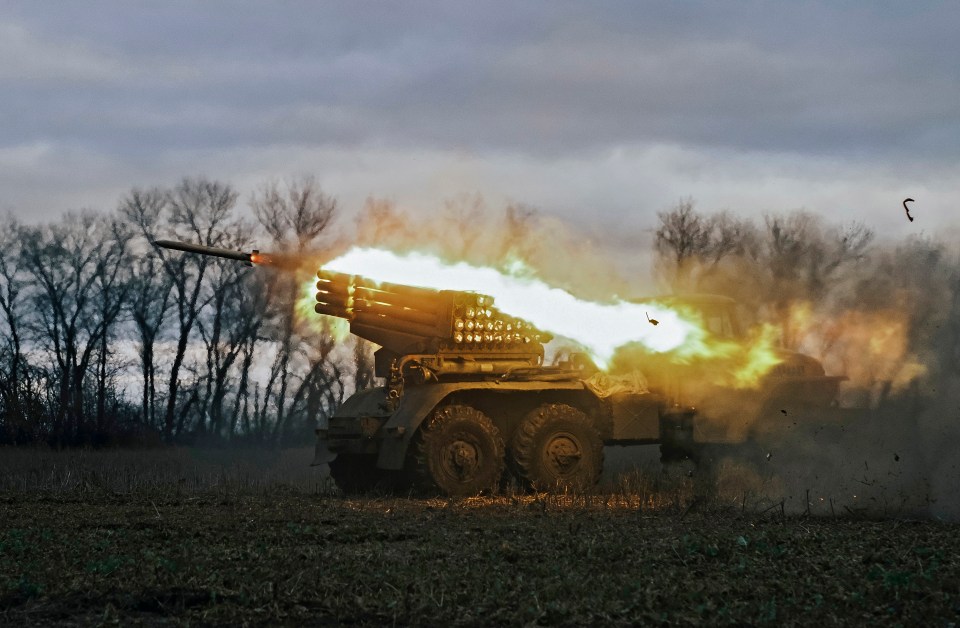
x: 214, y: 543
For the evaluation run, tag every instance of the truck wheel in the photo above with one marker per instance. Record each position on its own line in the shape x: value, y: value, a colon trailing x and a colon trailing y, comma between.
x: 356, y: 473
x: 458, y: 451
x: 557, y: 446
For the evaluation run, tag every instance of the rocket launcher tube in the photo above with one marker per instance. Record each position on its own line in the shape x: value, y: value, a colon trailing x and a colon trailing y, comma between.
x: 362, y: 282
x: 395, y: 324
x: 333, y: 310
x: 433, y: 304
x: 389, y: 311
x: 425, y: 300
x: 382, y: 322
x: 340, y: 290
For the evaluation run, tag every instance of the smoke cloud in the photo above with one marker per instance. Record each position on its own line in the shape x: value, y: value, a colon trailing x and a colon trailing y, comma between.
x: 884, y: 314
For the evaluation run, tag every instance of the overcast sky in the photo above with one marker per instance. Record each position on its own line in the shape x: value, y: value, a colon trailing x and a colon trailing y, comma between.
x: 605, y: 112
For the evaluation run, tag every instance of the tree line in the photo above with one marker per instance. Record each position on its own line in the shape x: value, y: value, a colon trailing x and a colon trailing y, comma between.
x: 884, y: 312
x: 105, y: 338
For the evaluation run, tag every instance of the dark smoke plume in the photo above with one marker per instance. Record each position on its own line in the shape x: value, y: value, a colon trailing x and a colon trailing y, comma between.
x: 886, y: 314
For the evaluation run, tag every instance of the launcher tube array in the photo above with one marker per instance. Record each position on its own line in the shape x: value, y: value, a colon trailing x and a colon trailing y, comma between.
x: 466, y: 321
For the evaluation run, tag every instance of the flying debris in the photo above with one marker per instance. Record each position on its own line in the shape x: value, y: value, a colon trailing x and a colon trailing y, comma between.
x: 907, y: 209
x: 652, y: 321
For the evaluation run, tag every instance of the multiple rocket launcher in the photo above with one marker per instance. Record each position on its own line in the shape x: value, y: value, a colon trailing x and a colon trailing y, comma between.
x: 462, y: 322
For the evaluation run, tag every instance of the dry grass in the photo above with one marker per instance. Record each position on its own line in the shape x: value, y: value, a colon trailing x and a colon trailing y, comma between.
x: 179, y: 536
x: 158, y: 471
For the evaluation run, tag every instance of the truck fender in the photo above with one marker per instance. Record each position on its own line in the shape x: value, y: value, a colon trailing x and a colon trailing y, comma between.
x: 418, y: 402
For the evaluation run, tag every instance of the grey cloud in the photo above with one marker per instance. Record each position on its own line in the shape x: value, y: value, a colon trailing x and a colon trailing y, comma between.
x: 819, y: 79
x: 26, y: 58
x: 143, y: 83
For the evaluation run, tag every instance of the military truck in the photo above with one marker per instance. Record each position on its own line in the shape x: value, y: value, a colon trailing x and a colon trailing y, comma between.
x: 468, y: 395
x: 469, y: 401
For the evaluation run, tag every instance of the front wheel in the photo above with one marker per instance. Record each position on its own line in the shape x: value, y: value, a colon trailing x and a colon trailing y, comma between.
x: 458, y: 451
x: 557, y: 447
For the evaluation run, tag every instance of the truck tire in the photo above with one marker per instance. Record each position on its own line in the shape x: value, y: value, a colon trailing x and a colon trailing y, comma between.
x: 557, y: 446
x: 356, y: 473
x: 459, y: 452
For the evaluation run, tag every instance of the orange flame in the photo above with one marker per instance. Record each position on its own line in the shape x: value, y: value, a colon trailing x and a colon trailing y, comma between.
x: 600, y: 328
x: 303, y: 309
x: 869, y: 346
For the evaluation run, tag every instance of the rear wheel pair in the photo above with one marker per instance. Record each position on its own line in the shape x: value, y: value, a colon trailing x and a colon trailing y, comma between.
x: 459, y: 451
x: 557, y: 447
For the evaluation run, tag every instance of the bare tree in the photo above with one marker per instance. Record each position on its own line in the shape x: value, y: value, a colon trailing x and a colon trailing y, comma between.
x: 111, y: 288
x: 693, y: 247
x: 682, y: 237
x: 251, y: 309
x: 76, y: 268
x: 296, y: 216
x: 148, y: 306
x: 14, y: 371
x: 226, y: 325
x: 200, y: 211
x: 804, y: 259
x: 380, y: 222
x: 300, y: 211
